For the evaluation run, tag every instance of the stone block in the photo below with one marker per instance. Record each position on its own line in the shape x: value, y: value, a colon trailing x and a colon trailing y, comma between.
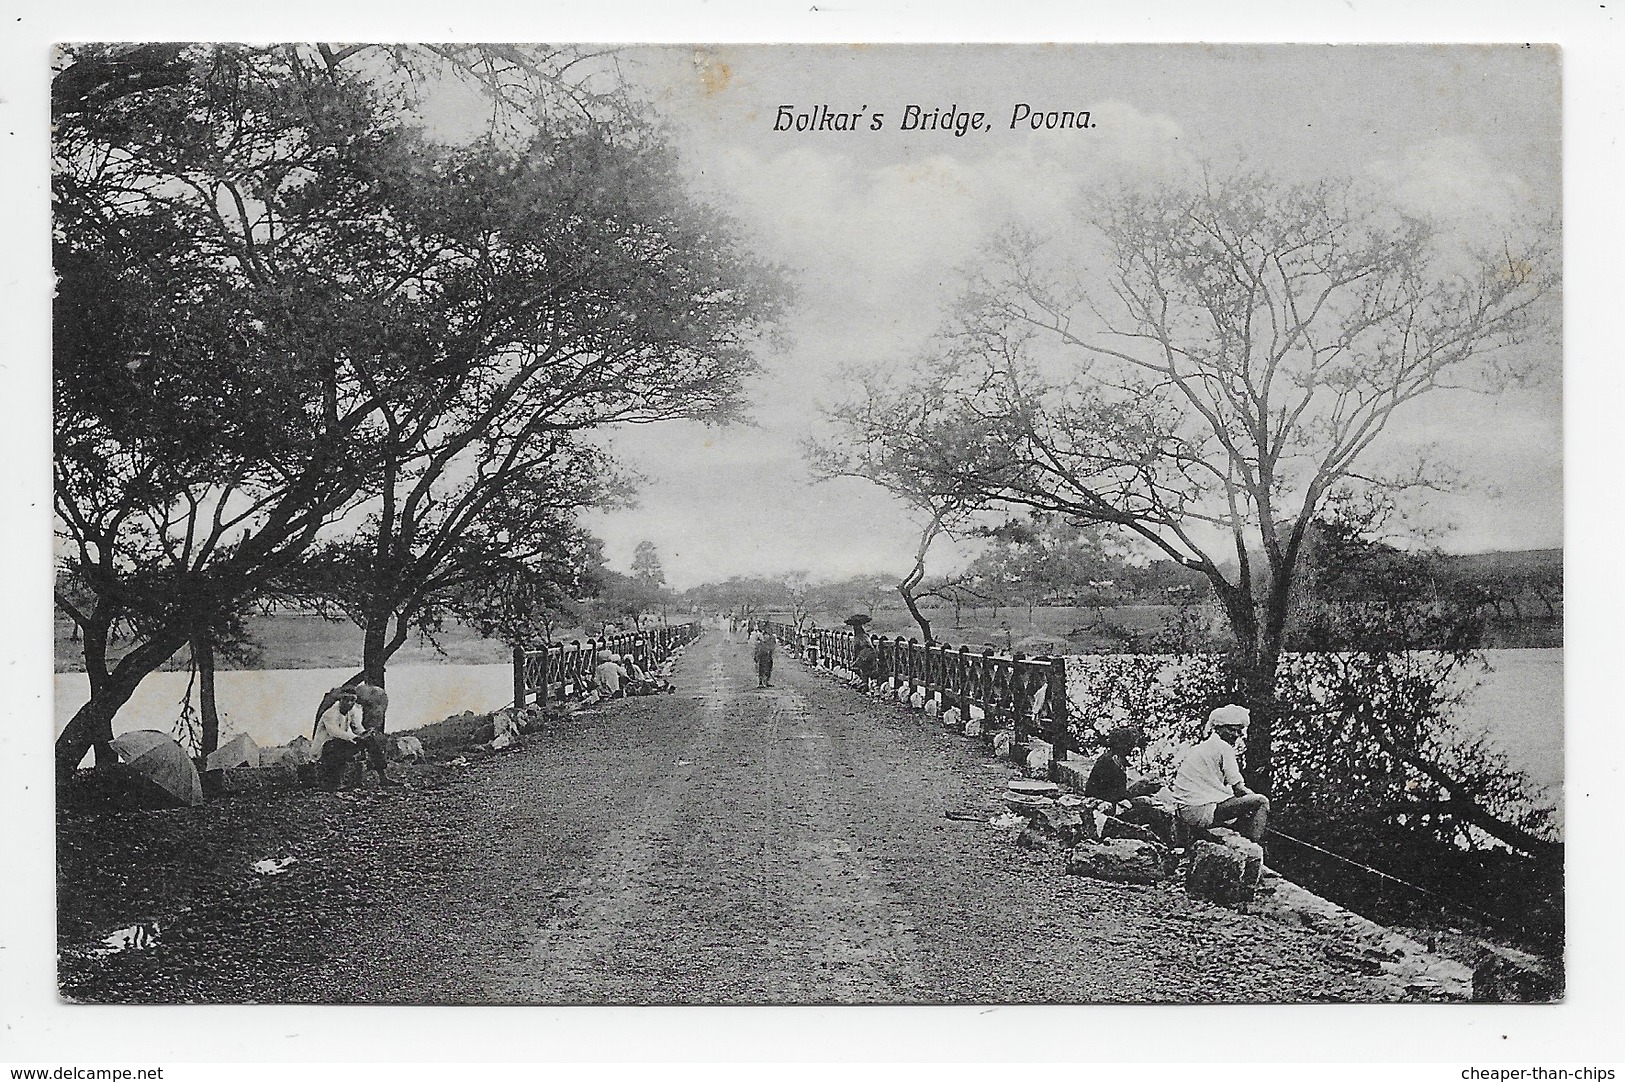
x: 1033, y: 836
x: 1218, y: 873
x: 1037, y: 763
x: 1119, y: 860
x: 1067, y: 824
x: 1116, y: 828
x: 1251, y: 852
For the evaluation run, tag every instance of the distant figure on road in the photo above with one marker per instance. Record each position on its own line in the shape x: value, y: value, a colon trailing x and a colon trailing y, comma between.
x: 1208, y: 787
x: 1114, y: 780
x: 763, y: 646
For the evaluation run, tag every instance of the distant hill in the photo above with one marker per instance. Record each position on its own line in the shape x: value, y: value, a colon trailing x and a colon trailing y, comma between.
x: 1513, y: 561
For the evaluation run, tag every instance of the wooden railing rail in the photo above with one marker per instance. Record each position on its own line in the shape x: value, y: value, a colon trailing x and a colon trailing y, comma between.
x: 559, y: 671
x: 1026, y: 695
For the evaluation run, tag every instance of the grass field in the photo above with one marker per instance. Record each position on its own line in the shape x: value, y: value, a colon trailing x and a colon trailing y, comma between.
x: 1072, y: 628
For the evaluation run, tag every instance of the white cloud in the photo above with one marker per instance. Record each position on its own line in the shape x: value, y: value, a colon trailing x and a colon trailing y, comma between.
x: 875, y: 236
x: 1451, y: 178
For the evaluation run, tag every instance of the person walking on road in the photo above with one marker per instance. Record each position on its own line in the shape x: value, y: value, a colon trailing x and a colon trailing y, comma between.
x: 763, y: 646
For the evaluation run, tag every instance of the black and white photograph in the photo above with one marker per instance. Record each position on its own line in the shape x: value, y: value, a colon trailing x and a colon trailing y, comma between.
x: 629, y: 518
x: 810, y: 524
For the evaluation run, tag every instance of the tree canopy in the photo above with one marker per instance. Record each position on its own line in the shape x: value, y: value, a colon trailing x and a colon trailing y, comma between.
x: 1226, y: 356
x: 299, y: 340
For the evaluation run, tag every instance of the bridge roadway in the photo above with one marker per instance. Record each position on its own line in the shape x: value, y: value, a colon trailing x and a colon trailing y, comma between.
x: 787, y: 845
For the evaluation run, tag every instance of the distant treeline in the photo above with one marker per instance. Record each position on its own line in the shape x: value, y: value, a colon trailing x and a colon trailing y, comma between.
x: 1516, y: 597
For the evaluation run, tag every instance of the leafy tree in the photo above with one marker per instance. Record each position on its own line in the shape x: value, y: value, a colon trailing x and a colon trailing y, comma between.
x: 527, y: 602
x: 575, y: 286
x: 1232, y: 357
x: 1374, y: 763
x: 799, y: 593
x: 892, y: 435
x: 278, y: 298
x: 648, y: 573
x: 207, y: 423
x: 646, y: 565
x: 1547, y: 584
x: 1041, y: 558
x: 623, y: 599
x: 858, y: 594
x: 743, y: 595
x: 452, y: 557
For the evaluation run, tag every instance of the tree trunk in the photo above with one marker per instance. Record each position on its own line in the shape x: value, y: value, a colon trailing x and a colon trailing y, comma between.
x: 1255, y: 659
x: 98, y: 630
x: 92, y: 726
x: 1260, y: 684
x: 379, y: 604
x: 1258, y: 688
x: 1461, y: 806
x: 914, y: 611
x: 203, y: 657
x: 373, y: 658
x: 379, y: 644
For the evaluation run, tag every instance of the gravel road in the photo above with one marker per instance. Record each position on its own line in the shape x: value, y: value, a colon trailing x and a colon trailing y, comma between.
x: 726, y: 844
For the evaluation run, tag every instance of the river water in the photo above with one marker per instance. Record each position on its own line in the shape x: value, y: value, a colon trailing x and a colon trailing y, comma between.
x: 275, y: 705
x: 1519, y: 702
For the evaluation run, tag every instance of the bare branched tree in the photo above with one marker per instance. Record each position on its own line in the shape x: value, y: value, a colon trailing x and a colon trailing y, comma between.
x: 1237, y: 351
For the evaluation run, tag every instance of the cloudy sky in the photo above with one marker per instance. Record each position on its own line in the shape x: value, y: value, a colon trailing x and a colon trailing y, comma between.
x: 876, y: 226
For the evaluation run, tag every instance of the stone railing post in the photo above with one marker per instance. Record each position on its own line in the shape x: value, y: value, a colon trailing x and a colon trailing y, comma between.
x: 518, y: 677
x: 1055, y: 699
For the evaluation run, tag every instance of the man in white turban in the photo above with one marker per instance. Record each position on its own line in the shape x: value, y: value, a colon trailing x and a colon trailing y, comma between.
x: 609, y: 675
x: 1208, y: 789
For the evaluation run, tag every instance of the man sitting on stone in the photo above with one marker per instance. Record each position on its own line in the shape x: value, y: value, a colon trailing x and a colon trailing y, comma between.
x: 339, y: 736
x: 355, y: 736
x: 1208, y: 788
x: 1129, y: 792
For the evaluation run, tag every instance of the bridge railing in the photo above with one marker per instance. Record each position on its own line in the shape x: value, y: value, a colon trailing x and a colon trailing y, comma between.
x: 1025, y: 695
x: 559, y: 671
